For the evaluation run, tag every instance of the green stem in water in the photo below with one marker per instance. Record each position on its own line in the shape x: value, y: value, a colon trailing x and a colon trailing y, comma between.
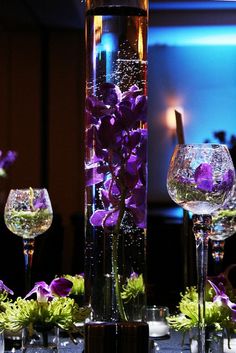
x: 115, y: 244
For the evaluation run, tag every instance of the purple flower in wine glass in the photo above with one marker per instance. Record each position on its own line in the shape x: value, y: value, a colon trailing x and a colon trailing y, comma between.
x: 227, y: 182
x: 203, y: 177
x: 4, y: 288
x: 40, y: 202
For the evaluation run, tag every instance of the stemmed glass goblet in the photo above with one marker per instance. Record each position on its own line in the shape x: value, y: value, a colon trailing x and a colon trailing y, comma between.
x: 200, y: 179
x: 28, y: 213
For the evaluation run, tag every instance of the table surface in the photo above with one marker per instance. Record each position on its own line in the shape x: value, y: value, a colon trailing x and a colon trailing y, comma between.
x: 174, y: 344
x: 171, y: 345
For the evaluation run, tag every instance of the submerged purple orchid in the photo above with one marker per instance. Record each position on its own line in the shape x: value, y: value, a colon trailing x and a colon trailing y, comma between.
x: 118, y: 136
x: 222, y: 298
x: 59, y: 287
x: 204, y: 181
x: 40, y: 202
x: 6, y: 161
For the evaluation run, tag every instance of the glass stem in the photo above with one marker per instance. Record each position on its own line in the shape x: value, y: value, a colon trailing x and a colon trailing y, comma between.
x: 28, y: 248
x: 201, y: 229
x: 217, y: 251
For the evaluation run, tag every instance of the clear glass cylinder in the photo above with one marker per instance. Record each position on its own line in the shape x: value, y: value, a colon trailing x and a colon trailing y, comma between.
x: 116, y: 158
x: 214, y: 340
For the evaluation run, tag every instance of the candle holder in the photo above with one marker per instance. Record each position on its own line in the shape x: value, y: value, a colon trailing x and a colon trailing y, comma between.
x: 156, y: 318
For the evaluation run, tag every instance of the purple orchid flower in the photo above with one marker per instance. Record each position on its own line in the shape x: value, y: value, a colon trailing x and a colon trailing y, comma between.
x: 222, y: 298
x: 4, y: 288
x: 133, y: 275
x: 42, y: 291
x: 59, y: 287
x: 119, y: 159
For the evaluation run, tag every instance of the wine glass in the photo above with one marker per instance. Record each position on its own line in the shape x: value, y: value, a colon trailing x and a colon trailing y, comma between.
x: 28, y: 213
x: 200, y: 179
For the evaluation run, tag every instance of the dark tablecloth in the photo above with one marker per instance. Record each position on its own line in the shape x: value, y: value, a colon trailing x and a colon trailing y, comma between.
x: 171, y: 345
x: 174, y: 344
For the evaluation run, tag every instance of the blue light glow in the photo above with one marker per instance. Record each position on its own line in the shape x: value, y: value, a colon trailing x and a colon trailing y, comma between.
x: 192, y: 35
x: 193, y: 5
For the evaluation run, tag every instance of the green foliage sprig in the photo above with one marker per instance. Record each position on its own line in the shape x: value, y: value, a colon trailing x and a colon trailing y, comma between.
x: 134, y: 286
x: 60, y: 311
x: 217, y: 315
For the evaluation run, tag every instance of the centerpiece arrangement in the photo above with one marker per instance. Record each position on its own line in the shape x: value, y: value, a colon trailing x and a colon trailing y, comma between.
x: 220, y: 313
x: 40, y: 319
x: 115, y: 157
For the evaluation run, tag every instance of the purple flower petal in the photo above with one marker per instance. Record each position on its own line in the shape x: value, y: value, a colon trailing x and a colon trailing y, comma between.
x: 9, y: 158
x: 4, y: 288
x: 42, y: 290
x: 140, y: 109
x: 228, y: 181
x: 103, y: 218
x: 204, y: 177
x: 40, y: 202
x: 93, y: 176
x: 60, y: 287
x: 136, y: 204
x: 222, y: 298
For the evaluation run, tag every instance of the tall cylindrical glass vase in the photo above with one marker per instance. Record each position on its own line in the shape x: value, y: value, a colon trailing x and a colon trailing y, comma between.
x: 116, y: 158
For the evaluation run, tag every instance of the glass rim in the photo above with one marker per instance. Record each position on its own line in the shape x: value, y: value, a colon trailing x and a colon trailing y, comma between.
x: 157, y: 307
x: 26, y: 189
x: 201, y: 144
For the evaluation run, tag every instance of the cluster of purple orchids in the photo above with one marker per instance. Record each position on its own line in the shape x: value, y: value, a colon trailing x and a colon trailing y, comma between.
x: 116, y: 139
x: 5, y: 161
x: 204, y: 181
x: 59, y: 287
x: 54, y: 306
